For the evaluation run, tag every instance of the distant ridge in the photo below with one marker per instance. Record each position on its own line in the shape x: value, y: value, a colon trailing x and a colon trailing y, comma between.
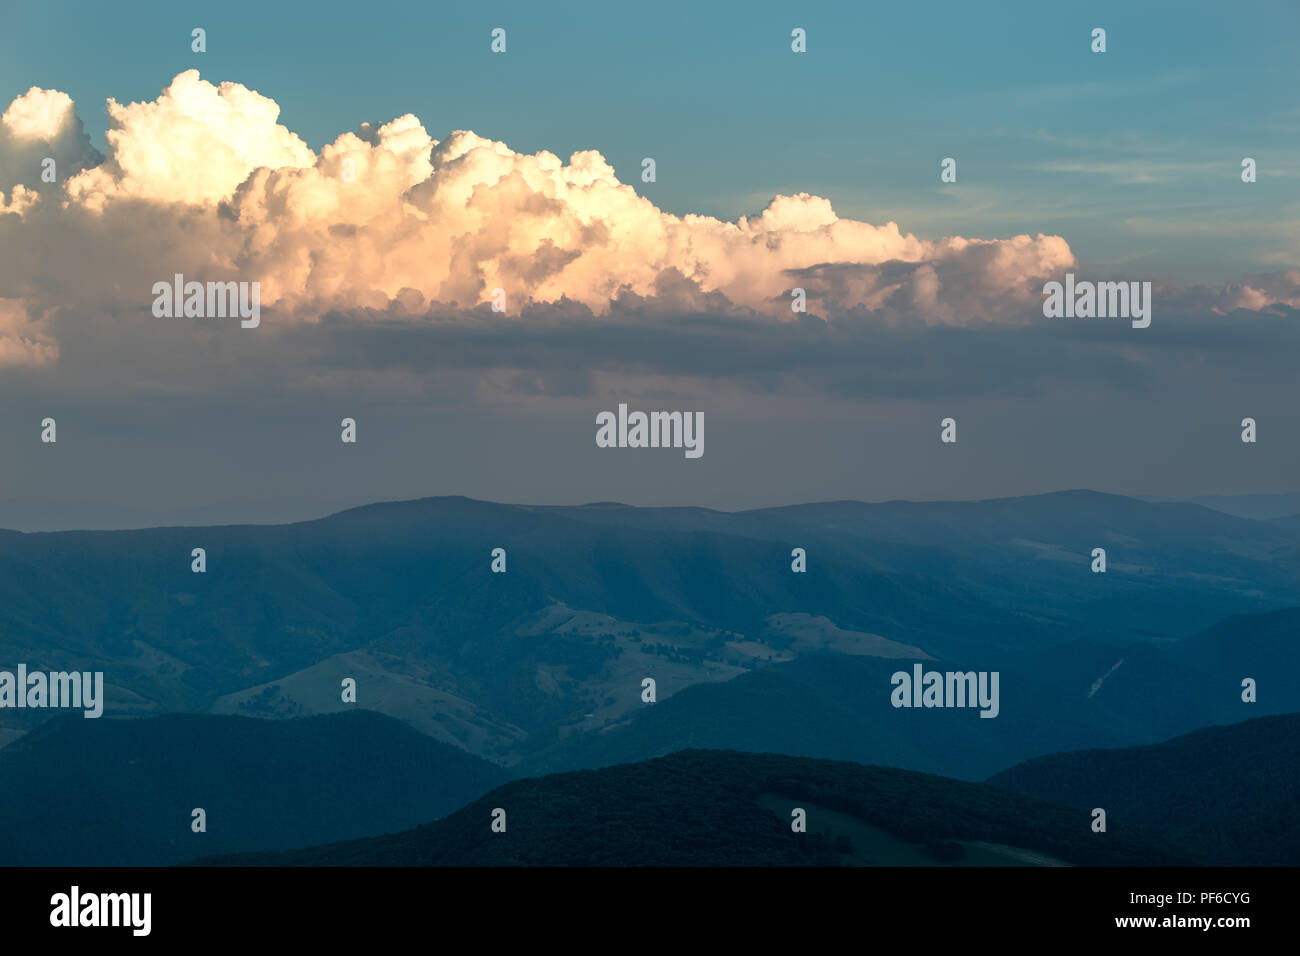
x: 1246, y: 506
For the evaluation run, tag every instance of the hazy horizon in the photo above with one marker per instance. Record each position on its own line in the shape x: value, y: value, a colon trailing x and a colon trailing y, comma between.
x: 1263, y: 507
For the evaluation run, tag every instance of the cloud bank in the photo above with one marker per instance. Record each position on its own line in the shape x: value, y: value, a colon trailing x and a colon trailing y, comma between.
x: 205, y: 181
x: 386, y: 224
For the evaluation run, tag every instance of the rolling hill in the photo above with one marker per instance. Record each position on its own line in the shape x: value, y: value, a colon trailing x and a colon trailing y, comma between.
x: 721, y: 808
x: 1231, y: 792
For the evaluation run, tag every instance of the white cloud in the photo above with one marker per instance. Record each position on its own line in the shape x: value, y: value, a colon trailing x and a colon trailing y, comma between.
x: 194, y: 144
x: 204, y: 179
x: 37, y: 125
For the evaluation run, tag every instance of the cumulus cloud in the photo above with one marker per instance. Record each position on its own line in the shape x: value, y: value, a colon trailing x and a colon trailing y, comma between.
x: 205, y: 181
x: 387, y: 223
x: 194, y: 144
x: 39, y: 125
x: 456, y: 219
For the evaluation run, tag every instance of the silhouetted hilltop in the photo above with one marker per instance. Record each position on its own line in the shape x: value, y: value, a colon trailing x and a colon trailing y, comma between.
x: 1232, y: 792
x: 708, y: 808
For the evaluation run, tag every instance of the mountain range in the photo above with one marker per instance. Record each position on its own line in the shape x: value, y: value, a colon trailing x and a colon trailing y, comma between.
x: 543, y: 669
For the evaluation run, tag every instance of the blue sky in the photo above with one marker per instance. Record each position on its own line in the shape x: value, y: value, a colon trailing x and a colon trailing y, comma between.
x: 375, y: 288
x: 1132, y: 155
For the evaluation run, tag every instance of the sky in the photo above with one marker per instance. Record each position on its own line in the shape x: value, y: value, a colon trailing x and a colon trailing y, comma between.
x: 377, y: 247
x: 1131, y: 154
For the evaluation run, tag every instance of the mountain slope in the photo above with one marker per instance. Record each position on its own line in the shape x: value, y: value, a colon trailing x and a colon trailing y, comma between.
x: 1232, y: 791
x: 1158, y: 691
x: 1174, y: 566
x: 838, y: 706
x: 1084, y: 694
